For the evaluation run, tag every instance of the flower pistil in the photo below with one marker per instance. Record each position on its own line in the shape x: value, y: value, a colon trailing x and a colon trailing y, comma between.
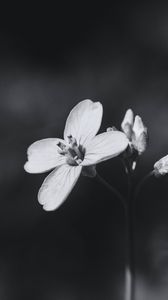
x: 73, y: 152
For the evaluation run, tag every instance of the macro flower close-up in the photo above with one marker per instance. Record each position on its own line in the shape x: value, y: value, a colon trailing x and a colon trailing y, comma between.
x: 80, y: 150
x: 84, y: 151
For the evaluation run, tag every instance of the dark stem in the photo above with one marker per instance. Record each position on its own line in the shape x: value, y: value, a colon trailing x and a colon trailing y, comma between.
x: 130, y: 227
x: 141, y: 184
x: 112, y: 189
x: 129, y: 236
x: 130, y: 263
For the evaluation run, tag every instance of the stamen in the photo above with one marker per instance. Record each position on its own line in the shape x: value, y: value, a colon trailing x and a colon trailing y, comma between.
x: 63, y: 148
x: 78, y: 161
x: 61, y: 145
x: 74, y: 147
x: 72, y: 141
x: 72, y: 151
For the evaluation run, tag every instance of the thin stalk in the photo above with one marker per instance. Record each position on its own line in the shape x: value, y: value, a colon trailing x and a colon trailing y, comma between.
x: 141, y: 184
x: 130, y: 266
x: 129, y: 236
x: 112, y: 189
x: 130, y: 225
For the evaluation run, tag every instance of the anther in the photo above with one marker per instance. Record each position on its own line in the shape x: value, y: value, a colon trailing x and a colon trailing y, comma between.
x: 62, y: 148
x: 61, y: 145
x: 72, y: 140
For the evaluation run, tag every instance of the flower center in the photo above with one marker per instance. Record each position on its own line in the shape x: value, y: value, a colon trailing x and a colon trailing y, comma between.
x: 74, y: 152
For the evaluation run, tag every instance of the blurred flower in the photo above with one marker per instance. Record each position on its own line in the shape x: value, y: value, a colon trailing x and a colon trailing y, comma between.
x: 161, y: 166
x: 79, y: 152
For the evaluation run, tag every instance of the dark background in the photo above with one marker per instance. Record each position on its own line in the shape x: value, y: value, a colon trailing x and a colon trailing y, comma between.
x: 51, y: 58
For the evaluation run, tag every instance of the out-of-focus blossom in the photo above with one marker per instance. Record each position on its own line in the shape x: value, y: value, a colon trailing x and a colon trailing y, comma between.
x: 161, y: 166
x: 79, y: 151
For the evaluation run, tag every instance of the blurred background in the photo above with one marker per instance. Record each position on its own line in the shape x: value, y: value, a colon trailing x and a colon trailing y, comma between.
x: 51, y: 58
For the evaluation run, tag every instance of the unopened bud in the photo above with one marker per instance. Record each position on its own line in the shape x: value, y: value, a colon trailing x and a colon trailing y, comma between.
x: 139, y: 136
x: 127, y: 123
x: 161, y: 166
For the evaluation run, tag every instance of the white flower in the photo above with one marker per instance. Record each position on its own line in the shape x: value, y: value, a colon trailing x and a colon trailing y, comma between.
x: 80, y: 149
x: 135, y: 131
x: 161, y: 166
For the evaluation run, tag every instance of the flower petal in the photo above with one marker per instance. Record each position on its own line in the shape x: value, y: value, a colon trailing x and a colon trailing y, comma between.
x: 43, y: 156
x: 105, y: 146
x: 84, y: 121
x: 57, y: 186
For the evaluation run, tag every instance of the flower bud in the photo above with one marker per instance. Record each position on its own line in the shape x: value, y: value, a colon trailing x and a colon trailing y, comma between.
x: 139, y: 135
x: 127, y: 123
x: 161, y: 166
